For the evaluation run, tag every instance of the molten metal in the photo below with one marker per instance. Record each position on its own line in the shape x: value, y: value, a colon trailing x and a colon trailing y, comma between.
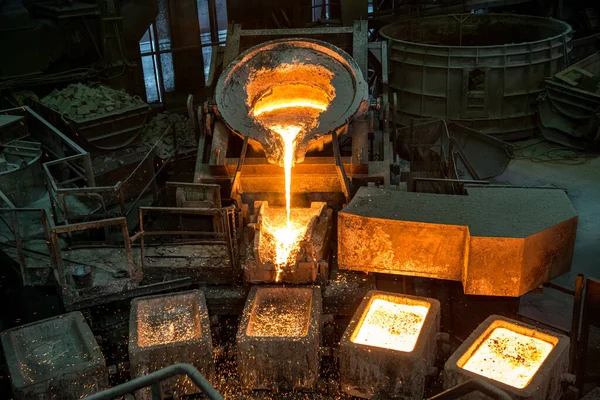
x: 391, y: 325
x: 288, y: 135
x: 509, y: 357
x: 280, y: 242
x: 289, y: 110
x: 168, y: 325
x: 303, y: 96
x: 277, y: 316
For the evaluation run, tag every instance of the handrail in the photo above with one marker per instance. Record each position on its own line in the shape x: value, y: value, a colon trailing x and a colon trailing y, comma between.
x: 227, y: 222
x: 153, y: 379
x: 471, y: 386
x: 118, y: 187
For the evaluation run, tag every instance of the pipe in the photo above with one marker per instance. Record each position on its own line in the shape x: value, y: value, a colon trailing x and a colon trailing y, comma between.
x: 472, y: 386
x: 155, y: 377
x: 579, y: 286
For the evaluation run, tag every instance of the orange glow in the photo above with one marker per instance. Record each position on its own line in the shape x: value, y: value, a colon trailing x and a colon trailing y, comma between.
x: 166, y: 325
x: 391, y: 325
x: 278, y: 315
x: 509, y: 357
x: 296, y: 103
x: 288, y: 135
x: 280, y: 241
x: 289, y: 109
x: 291, y: 96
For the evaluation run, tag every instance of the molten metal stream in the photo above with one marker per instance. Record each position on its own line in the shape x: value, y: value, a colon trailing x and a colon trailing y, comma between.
x: 296, y: 96
x: 288, y: 135
x: 275, y: 115
x: 287, y: 237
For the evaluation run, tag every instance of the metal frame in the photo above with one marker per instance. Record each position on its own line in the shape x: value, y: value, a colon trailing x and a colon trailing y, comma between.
x: 447, y: 171
x: 70, y: 296
x: 450, y: 152
x: 215, y: 169
x: 205, y: 188
x: 46, y: 140
x: 154, y: 379
x: 226, y: 215
x: 474, y: 385
x: 57, y: 193
x: 14, y: 226
x: 590, y: 312
x: 339, y: 165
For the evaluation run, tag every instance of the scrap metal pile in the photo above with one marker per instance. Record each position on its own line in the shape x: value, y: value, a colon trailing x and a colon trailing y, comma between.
x: 154, y: 130
x: 80, y: 101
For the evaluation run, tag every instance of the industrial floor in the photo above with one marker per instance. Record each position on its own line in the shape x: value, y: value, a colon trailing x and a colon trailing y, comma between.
x: 540, y: 163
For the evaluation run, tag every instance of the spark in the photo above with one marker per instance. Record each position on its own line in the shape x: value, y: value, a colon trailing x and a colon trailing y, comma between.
x: 509, y: 357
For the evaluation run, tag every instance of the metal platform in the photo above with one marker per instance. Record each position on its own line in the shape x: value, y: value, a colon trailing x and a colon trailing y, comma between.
x: 496, y: 241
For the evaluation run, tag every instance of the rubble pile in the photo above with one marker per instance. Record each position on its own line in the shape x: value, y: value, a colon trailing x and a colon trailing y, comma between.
x: 157, y: 127
x: 80, y: 101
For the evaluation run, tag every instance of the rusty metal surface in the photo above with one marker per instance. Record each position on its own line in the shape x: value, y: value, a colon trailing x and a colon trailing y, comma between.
x: 232, y: 96
x: 496, y: 241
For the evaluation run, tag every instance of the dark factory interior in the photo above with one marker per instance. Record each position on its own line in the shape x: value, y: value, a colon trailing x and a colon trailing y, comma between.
x: 307, y: 199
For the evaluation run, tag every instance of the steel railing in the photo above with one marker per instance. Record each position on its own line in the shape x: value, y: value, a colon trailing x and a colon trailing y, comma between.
x: 154, y: 379
x: 472, y: 385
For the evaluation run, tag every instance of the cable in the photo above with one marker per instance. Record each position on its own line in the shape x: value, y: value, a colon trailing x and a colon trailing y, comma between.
x: 74, y: 74
x: 554, y: 156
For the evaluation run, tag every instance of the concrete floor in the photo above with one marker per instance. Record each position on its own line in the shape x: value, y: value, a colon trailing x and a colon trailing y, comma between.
x: 581, y: 178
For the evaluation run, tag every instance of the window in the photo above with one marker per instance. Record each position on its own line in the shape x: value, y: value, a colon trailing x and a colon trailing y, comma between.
x: 320, y: 9
x: 156, y: 47
x: 209, y: 35
x: 157, y: 60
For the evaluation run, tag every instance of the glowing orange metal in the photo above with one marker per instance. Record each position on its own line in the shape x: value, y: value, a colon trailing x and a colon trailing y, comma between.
x: 509, y: 357
x: 173, y: 324
x: 391, y: 325
x: 280, y: 241
x: 289, y: 110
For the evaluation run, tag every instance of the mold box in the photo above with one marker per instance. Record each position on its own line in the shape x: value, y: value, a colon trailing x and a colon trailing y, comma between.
x: 54, y: 358
x: 545, y: 382
x: 279, y: 339
x: 389, y: 346
x: 170, y: 329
